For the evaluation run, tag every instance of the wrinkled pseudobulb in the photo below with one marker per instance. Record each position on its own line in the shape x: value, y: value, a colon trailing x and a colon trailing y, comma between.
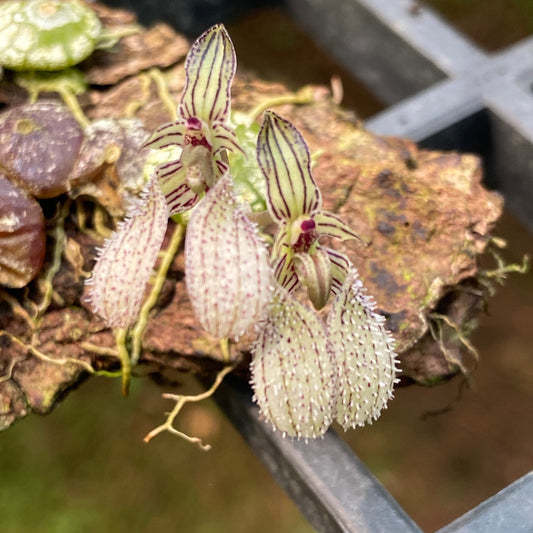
x: 22, y: 236
x: 110, y: 164
x: 46, y: 34
x: 39, y: 144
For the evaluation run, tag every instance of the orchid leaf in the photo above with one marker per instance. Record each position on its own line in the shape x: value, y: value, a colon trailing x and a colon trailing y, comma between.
x: 284, y: 159
x: 210, y: 68
x: 248, y: 179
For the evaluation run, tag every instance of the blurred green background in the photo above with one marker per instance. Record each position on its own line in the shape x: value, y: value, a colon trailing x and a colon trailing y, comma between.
x: 85, y: 469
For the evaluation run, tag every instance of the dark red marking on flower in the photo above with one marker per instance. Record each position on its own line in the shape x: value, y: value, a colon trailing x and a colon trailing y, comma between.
x: 195, y: 134
x: 198, y: 141
x: 305, y: 240
x: 308, y: 225
x: 194, y: 123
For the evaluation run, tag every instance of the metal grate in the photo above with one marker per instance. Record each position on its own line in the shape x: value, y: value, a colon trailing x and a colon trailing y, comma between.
x: 445, y: 93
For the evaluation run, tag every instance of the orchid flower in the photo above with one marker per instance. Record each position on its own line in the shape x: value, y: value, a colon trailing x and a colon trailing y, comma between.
x: 228, y: 273
x: 294, y: 375
x: 295, y: 352
x: 201, y: 129
x: 200, y: 136
x: 295, y: 203
x: 306, y: 374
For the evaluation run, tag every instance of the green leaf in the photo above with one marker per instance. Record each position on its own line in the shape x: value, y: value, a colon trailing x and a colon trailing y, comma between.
x: 248, y: 179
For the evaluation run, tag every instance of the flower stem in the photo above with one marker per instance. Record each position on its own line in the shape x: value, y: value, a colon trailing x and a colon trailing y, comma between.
x: 224, y: 347
x: 125, y: 360
x: 59, y: 238
x: 163, y: 92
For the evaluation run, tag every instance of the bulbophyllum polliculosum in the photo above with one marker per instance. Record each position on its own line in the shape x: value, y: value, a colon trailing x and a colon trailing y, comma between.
x: 358, y: 347
x: 306, y: 372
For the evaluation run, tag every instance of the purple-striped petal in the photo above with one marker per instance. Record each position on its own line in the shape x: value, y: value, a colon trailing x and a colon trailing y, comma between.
x: 210, y: 68
x: 169, y: 134
x: 340, y: 266
x: 332, y: 225
x: 283, y: 156
x: 364, y: 351
x: 126, y: 261
x: 181, y: 199
x: 224, y: 138
x: 282, y: 260
x: 228, y: 274
x: 293, y: 373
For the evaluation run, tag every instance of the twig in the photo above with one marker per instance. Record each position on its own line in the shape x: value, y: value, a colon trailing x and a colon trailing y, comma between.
x: 180, y: 402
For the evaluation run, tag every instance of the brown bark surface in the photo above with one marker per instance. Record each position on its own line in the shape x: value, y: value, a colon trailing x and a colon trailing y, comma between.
x: 424, y: 217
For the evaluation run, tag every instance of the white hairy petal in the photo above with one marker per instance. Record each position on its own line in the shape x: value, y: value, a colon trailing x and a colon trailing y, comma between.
x: 126, y: 261
x: 293, y: 373
x: 364, y: 352
x: 228, y: 274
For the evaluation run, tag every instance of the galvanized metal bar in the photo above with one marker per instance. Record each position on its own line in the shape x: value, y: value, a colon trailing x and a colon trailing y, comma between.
x: 511, y: 510
x: 451, y: 101
x: 394, y: 50
x: 331, y: 486
x: 488, y: 111
x: 510, y: 108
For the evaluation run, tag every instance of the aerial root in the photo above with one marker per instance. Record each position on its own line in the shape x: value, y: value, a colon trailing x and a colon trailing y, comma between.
x: 181, y: 400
